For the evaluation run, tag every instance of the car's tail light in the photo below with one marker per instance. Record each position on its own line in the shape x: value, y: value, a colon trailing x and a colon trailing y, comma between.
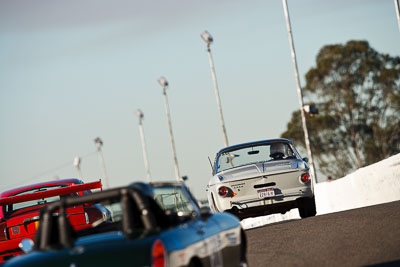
x: 224, y: 191
x: 92, y: 214
x: 305, y: 177
x: 158, y: 254
x: 3, y: 232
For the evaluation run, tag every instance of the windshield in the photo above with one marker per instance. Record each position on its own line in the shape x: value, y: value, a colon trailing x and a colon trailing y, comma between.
x: 173, y: 199
x: 253, y: 154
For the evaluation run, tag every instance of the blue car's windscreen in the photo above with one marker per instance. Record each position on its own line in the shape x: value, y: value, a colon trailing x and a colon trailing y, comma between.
x: 173, y: 200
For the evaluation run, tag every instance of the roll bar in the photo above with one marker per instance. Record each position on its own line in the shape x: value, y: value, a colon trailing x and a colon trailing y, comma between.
x: 55, y: 230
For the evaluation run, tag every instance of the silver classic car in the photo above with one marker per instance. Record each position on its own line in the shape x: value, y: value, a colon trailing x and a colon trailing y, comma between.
x: 260, y: 178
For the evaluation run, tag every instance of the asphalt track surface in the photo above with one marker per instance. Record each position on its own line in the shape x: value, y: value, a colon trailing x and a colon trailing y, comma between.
x: 367, y: 236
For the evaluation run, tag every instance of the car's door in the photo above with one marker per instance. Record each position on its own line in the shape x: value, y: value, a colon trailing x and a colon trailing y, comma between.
x: 212, y: 237
x: 229, y: 236
x: 209, y: 233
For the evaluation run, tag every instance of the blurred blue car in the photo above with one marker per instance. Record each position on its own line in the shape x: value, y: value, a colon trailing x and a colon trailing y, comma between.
x: 158, y: 224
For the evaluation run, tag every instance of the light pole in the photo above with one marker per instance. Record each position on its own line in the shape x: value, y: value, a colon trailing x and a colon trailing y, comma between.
x: 206, y: 36
x: 140, y: 115
x: 164, y: 84
x: 77, y: 164
x: 299, y: 92
x: 99, y: 144
x: 396, y: 5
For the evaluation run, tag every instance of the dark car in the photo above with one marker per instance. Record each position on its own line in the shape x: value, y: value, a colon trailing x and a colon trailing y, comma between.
x: 19, y: 210
x: 157, y: 224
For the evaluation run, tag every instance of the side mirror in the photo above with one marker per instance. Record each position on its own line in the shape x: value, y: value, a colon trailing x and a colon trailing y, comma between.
x: 205, y: 212
x: 305, y: 159
x: 26, y: 245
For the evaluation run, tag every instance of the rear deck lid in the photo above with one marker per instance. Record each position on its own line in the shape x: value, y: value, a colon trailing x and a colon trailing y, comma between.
x: 261, y: 169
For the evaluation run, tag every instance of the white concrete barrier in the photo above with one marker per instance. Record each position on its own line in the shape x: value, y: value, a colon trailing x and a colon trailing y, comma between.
x: 371, y: 185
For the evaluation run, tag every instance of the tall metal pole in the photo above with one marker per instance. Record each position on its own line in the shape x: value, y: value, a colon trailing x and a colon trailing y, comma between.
x: 208, y: 39
x: 396, y: 5
x: 77, y: 164
x: 99, y: 144
x: 145, y: 159
x: 163, y: 82
x: 299, y: 92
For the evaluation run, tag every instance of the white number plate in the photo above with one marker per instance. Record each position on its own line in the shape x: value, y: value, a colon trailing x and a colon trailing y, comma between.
x: 264, y: 193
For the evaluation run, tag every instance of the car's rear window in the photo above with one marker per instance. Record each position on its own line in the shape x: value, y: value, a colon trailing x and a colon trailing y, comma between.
x: 253, y: 154
x: 17, y: 206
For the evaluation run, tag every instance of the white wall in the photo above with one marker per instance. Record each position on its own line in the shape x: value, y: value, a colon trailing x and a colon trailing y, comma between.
x: 371, y: 185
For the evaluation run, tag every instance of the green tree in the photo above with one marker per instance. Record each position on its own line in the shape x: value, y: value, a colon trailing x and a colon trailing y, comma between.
x: 357, y: 92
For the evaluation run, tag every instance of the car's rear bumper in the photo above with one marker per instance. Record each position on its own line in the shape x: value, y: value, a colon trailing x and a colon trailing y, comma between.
x: 280, y: 203
x: 265, y: 209
x: 10, y: 248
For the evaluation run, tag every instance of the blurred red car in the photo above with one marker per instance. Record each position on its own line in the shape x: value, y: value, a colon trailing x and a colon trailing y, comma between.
x: 19, y: 211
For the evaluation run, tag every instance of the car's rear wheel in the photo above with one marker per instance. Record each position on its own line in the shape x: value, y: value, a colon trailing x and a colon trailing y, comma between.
x: 307, y: 207
x: 195, y: 262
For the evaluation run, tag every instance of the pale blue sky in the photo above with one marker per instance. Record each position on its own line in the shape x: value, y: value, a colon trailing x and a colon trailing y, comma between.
x: 74, y: 70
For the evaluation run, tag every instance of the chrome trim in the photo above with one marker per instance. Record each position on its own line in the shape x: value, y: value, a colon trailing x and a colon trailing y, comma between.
x: 87, y: 218
x: 31, y: 219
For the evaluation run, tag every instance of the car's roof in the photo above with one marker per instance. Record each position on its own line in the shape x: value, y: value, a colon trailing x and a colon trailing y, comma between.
x: 151, y: 184
x: 168, y: 183
x: 70, y: 181
x: 233, y: 147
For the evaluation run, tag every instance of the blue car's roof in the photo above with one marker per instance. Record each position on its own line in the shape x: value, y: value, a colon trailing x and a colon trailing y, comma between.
x: 254, y: 143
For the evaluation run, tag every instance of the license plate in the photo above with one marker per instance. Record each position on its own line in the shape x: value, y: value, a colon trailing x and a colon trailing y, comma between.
x: 264, y: 193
